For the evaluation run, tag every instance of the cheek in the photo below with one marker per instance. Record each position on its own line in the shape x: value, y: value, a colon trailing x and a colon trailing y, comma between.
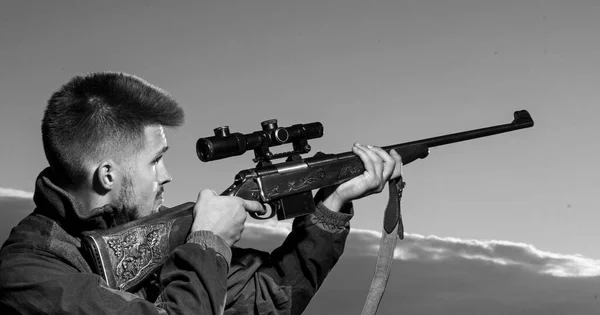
x: 154, y: 172
x: 154, y: 178
x: 150, y: 183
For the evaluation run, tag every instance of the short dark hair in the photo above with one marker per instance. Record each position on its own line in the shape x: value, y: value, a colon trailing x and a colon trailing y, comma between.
x: 100, y: 115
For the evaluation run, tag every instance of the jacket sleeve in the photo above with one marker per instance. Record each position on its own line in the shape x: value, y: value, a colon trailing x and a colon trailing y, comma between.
x: 284, y: 281
x: 38, y: 282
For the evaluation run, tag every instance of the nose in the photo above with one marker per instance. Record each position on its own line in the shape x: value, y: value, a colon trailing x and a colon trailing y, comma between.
x: 164, y: 176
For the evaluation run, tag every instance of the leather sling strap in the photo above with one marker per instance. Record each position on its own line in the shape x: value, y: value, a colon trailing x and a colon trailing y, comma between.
x: 392, y: 230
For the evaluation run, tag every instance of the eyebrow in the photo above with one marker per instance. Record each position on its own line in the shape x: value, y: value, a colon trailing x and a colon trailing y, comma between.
x: 161, y: 152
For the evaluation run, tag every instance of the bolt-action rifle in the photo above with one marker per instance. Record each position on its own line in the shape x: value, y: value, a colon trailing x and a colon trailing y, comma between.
x: 123, y: 255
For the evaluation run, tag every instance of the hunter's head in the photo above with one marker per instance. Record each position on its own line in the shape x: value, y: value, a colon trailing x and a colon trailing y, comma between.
x: 104, y: 140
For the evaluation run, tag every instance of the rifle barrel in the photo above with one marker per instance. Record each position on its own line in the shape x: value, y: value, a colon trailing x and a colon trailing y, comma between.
x: 522, y: 119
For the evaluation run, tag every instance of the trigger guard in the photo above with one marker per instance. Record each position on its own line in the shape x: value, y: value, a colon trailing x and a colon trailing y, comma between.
x: 266, y: 216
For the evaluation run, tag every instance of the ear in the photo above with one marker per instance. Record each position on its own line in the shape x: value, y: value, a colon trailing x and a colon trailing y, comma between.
x: 105, y: 176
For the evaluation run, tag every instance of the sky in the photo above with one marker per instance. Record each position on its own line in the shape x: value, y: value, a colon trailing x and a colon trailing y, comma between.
x: 377, y: 72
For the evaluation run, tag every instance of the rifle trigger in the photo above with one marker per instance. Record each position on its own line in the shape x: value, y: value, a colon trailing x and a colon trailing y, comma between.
x: 271, y: 212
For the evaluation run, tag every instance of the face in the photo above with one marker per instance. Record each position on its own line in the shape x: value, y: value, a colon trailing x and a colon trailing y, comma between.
x: 141, y: 190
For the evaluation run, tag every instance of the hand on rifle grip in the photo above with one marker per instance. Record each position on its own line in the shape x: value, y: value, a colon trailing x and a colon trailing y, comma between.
x: 223, y: 215
x: 267, y: 214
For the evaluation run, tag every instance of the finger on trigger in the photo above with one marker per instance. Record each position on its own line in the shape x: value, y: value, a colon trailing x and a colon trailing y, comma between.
x: 254, y: 206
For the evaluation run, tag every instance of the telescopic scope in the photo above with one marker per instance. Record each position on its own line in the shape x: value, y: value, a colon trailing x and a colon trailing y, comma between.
x: 225, y: 144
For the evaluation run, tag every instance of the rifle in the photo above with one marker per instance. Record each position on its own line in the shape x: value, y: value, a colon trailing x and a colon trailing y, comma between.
x: 125, y: 256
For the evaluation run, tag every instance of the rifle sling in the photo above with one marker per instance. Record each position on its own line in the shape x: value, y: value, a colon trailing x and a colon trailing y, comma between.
x: 392, y: 230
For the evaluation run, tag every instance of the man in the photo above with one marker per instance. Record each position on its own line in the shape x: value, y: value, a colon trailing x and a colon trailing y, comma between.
x: 104, y: 141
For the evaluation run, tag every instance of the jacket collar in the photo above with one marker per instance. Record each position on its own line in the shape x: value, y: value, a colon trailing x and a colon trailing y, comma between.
x: 57, y: 204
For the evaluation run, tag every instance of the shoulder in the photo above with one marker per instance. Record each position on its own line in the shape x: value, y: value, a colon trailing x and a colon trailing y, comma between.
x: 33, y: 232
x: 28, y: 251
x: 32, y: 271
x: 39, y: 241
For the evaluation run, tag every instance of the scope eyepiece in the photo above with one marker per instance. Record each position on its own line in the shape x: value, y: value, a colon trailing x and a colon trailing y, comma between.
x: 226, y: 144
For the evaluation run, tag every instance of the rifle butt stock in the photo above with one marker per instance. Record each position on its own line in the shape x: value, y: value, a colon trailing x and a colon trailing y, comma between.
x: 125, y: 256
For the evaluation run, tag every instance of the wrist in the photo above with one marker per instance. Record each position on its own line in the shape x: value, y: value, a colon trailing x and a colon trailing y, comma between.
x: 333, y: 202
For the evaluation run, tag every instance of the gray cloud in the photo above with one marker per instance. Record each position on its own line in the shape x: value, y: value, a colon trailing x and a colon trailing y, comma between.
x: 444, y: 275
x: 14, y: 206
x: 421, y: 248
x: 9, y: 192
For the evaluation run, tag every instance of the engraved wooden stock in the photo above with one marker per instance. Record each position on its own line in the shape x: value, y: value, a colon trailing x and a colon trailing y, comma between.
x: 126, y: 255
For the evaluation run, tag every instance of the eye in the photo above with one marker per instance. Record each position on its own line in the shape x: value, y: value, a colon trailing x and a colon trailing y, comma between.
x: 157, y: 159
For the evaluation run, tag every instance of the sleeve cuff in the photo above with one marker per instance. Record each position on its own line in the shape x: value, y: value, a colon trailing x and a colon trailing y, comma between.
x: 337, y: 219
x: 208, y: 239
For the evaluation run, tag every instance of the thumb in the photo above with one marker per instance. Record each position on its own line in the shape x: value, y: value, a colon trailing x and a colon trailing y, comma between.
x: 206, y: 194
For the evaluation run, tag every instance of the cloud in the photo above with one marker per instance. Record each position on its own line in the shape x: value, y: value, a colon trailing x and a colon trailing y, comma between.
x: 417, y: 247
x: 444, y: 275
x: 500, y: 252
x: 14, y: 206
x: 9, y: 192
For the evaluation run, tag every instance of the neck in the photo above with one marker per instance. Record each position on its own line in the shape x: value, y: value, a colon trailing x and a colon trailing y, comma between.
x: 88, y: 198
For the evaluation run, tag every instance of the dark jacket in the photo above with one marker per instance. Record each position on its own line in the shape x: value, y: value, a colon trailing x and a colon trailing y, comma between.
x: 43, y: 271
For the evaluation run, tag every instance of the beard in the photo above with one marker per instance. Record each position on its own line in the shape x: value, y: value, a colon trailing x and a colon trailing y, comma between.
x: 126, y: 202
